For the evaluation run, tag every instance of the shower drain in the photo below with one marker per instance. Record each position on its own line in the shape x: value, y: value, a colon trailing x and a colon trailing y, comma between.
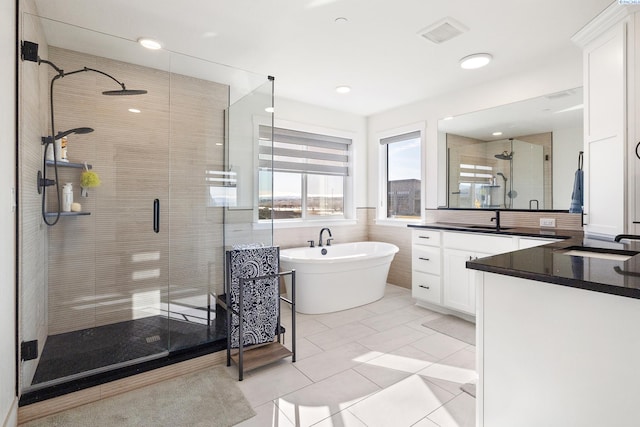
x: 153, y: 338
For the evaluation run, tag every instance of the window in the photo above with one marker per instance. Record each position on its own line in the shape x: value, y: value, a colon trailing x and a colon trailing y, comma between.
x: 475, y: 183
x: 309, y: 174
x: 402, y: 175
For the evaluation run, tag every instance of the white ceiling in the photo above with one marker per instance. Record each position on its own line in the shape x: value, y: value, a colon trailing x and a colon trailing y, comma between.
x: 378, y: 52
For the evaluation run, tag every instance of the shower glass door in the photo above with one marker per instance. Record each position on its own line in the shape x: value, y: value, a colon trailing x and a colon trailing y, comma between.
x: 93, y: 287
x: 133, y: 273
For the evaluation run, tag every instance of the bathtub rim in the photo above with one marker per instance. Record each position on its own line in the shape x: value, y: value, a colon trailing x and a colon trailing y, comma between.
x: 391, y: 250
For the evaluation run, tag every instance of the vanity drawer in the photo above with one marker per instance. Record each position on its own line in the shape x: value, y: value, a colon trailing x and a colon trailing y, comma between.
x: 479, y: 242
x: 426, y: 237
x: 426, y: 259
x: 426, y: 287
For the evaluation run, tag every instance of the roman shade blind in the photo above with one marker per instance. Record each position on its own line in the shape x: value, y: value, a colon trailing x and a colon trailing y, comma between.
x: 399, y: 138
x: 303, y: 152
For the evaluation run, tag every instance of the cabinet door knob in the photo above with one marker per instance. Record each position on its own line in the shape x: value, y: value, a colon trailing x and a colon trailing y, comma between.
x: 424, y: 287
x: 424, y: 259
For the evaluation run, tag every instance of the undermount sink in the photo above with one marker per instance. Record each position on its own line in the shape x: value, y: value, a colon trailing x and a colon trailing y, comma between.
x: 601, y: 253
x: 488, y: 227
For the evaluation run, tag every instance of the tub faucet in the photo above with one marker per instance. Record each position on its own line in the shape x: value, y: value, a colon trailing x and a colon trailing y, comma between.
x: 320, y: 238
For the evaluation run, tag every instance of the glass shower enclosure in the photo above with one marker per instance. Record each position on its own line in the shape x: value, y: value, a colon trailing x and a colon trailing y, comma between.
x: 130, y: 275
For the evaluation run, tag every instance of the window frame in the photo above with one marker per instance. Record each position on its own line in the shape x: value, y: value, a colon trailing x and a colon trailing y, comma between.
x: 381, y: 216
x: 349, y: 214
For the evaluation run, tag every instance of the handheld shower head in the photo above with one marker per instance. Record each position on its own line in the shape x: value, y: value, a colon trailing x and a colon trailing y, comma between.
x: 502, y: 175
x: 505, y: 155
x: 50, y: 139
x: 74, y: 130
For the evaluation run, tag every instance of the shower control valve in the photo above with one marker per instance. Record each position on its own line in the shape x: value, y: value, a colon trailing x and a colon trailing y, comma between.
x: 44, y: 182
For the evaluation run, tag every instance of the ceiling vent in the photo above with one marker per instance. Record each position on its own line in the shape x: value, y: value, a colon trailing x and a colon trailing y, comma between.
x: 443, y: 30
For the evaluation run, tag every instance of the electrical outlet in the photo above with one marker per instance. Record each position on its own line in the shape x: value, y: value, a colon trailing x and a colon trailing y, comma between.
x: 547, y: 222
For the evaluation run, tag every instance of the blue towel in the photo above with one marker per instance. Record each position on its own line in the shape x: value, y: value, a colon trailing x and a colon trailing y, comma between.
x: 577, y: 195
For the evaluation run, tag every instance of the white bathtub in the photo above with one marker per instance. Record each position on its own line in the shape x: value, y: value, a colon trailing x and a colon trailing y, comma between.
x: 347, y: 275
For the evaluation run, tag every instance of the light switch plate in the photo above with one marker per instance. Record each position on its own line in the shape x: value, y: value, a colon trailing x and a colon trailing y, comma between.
x: 547, y: 222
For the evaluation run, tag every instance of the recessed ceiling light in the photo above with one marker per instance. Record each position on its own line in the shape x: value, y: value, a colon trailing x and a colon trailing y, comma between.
x: 134, y: 110
x: 343, y: 89
x: 448, y: 118
x: 269, y: 110
x: 219, y: 143
x: 476, y: 60
x: 341, y: 20
x: 496, y: 133
x: 150, y: 43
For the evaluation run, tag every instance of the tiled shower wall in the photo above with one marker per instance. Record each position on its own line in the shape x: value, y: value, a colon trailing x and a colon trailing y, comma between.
x: 111, y: 266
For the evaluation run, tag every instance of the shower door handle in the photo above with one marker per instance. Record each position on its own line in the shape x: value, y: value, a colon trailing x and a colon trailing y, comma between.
x: 156, y: 215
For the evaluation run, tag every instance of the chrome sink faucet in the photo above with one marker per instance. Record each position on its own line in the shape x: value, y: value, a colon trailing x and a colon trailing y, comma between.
x: 497, y: 220
x: 320, y: 238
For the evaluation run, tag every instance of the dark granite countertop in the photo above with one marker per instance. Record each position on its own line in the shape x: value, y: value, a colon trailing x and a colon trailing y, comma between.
x: 550, y: 264
x: 504, y: 231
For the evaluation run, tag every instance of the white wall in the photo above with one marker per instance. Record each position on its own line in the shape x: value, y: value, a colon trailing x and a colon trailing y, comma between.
x: 558, y: 73
x: 8, y: 400
x: 314, y: 116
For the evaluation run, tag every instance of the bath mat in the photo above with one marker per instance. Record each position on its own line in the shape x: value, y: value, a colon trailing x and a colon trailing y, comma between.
x: 209, y: 397
x: 469, y: 388
x: 454, y: 327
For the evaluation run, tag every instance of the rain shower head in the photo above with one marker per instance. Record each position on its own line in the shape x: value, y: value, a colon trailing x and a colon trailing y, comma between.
x: 505, y: 155
x: 125, y: 92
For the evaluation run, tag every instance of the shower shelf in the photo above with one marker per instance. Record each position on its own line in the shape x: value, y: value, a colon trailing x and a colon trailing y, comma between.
x: 67, y: 213
x: 68, y: 164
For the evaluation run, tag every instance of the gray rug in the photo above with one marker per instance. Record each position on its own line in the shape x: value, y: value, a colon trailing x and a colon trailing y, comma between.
x: 454, y: 327
x: 209, y: 397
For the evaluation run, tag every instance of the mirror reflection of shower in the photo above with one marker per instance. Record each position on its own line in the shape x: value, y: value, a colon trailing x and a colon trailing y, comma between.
x: 486, y: 174
x: 30, y: 53
x: 511, y: 193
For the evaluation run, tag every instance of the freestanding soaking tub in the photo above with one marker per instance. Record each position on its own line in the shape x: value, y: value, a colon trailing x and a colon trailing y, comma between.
x: 338, y: 277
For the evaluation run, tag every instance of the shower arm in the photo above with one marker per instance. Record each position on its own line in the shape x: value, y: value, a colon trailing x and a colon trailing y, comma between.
x: 62, y: 74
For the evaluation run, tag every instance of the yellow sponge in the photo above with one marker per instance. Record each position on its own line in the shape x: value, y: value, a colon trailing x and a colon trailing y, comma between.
x: 89, y: 179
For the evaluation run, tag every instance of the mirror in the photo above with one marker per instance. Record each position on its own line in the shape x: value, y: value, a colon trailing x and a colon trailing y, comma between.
x: 516, y: 156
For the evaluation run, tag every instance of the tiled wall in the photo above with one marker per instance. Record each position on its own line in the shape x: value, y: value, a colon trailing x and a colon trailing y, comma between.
x: 529, y: 219
x: 111, y: 266
x: 297, y: 237
x: 400, y: 271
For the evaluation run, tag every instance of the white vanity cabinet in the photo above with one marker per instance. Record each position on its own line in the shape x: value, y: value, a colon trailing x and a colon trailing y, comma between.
x: 440, y: 279
x: 459, y: 291
x: 426, y: 265
x: 611, y: 92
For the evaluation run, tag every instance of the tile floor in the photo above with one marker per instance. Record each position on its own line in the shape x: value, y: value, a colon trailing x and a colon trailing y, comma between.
x: 374, y: 365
